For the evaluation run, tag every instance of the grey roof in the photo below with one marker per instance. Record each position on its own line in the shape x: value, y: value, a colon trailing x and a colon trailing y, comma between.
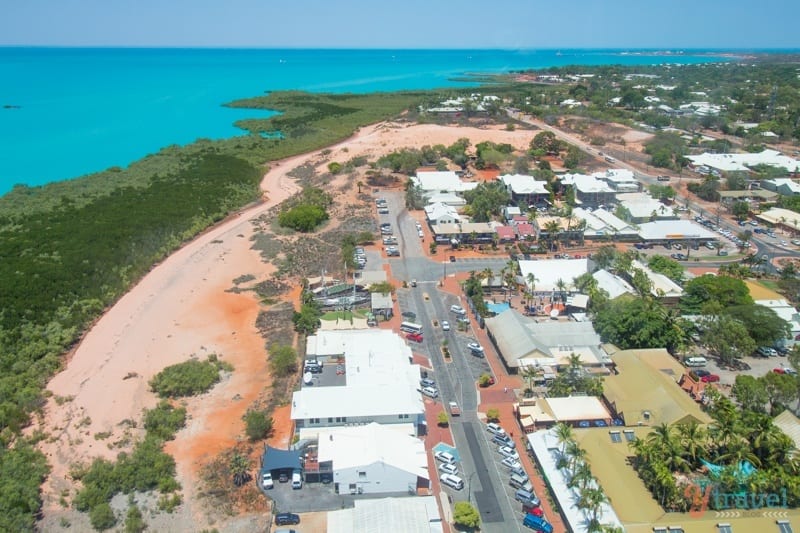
x: 518, y: 336
x: 382, y: 300
x: 277, y: 459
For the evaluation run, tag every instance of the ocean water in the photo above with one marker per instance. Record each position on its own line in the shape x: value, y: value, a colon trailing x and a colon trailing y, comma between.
x: 79, y: 110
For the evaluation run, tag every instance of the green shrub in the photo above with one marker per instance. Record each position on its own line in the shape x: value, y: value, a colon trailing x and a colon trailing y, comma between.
x: 304, y: 217
x: 258, y: 425
x: 185, y: 379
x: 282, y: 360
x: 164, y: 420
x: 102, y: 517
x: 134, y: 521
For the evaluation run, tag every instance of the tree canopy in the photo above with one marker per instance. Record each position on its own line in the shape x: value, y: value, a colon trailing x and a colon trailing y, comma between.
x: 723, y: 290
x: 635, y: 322
x: 487, y: 200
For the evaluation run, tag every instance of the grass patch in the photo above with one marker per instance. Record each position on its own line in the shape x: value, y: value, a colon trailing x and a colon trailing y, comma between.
x: 188, y: 378
x: 343, y: 315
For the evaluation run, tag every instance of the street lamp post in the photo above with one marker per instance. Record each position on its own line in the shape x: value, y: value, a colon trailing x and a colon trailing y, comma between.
x: 469, y: 487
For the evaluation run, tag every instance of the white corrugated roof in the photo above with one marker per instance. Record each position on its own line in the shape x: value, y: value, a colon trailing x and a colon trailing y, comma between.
x: 731, y: 162
x: 613, y: 285
x: 674, y: 229
x: 523, y: 184
x: 548, y: 272
x: 577, y: 408
x: 419, y: 514
x: 350, y: 447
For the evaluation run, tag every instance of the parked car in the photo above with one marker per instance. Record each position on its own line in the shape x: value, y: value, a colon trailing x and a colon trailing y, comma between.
x: 457, y: 309
x: 445, y: 325
x: 503, y: 440
x: 495, y: 429
x: 448, y: 468
x: 511, y: 463
x: 537, y: 523
x: 444, y: 457
x: 430, y: 392
x: 508, y: 451
x: 785, y: 370
x: 766, y: 351
x: 416, y: 337
x: 452, y: 259
x: 286, y: 519
x: 266, y: 480
x: 454, y: 482
x: 283, y: 477
x: 475, y: 347
x: 711, y: 378
x: 700, y: 373
x: 427, y: 382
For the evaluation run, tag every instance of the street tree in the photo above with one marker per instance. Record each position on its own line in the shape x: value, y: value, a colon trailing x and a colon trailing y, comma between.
x: 725, y: 290
x: 726, y: 337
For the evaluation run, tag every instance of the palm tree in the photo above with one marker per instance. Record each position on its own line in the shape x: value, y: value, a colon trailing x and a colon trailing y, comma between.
x: 581, y: 478
x: 561, y: 289
x: 552, y: 229
x: 576, y: 454
x: 564, y: 435
x: 359, y: 184
x: 692, y: 439
x: 530, y: 373
x: 592, y: 500
x: 239, y: 467
x: 581, y: 227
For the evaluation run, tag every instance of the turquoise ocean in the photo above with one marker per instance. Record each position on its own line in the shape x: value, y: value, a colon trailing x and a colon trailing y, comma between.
x: 66, y: 112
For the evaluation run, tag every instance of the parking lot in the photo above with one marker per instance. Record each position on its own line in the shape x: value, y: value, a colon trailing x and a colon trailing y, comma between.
x: 758, y: 367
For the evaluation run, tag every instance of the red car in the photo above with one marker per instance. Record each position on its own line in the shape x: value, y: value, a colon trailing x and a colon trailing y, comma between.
x: 711, y: 378
x: 416, y: 337
x: 535, y: 511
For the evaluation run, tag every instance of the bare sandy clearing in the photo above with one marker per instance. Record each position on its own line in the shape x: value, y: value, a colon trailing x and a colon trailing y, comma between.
x: 180, y: 310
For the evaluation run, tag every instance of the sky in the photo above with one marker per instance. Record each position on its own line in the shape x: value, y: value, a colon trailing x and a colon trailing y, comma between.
x: 508, y: 24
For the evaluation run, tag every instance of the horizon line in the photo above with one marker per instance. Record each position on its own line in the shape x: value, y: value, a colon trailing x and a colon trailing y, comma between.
x: 673, y: 49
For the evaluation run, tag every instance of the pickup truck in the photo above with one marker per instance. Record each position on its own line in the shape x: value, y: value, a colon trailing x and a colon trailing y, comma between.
x: 455, y: 410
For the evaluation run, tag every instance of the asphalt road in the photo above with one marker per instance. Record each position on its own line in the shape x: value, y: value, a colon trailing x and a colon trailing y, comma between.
x: 456, y: 380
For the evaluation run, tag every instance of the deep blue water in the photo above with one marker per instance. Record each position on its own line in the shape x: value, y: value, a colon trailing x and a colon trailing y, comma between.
x: 82, y: 110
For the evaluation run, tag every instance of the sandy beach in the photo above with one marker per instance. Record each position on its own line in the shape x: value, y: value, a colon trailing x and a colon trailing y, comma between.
x: 181, y: 310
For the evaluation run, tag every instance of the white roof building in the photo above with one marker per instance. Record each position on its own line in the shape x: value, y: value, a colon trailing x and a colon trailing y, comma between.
x: 783, y: 186
x: 380, y: 383
x: 662, y: 287
x: 547, y: 273
x: 375, y: 457
x: 600, y: 222
x: 441, y: 182
x: 666, y: 230
x: 586, y: 184
x: 743, y: 162
x: 620, y: 179
x: 779, y: 216
x: 442, y: 214
x: 413, y: 515
x: 447, y: 198
x: 642, y: 206
x: 611, y: 284
x: 522, y: 184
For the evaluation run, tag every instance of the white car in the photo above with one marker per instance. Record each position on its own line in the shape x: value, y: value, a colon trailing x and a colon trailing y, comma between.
x: 445, y: 325
x: 475, y: 347
x: 508, y: 451
x: 266, y: 480
x: 444, y: 457
x: 448, y: 468
x: 457, y: 309
x: 511, y: 463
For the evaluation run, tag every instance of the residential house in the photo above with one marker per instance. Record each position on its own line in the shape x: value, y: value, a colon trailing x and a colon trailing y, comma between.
x: 525, y: 190
x: 784, y: 186
x: 441, y: 214
x: 619, y: 179
x: 374, y: 459
x: 589, y: 191
x: 434, y: 182
x: 643, y: 208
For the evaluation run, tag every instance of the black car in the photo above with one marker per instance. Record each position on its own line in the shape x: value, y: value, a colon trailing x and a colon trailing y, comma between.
x: 286, y: 519
x: 452, y: 259
x: 283, y: 477
x: 701, y: 373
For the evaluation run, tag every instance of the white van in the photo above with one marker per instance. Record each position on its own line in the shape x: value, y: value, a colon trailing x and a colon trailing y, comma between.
x: 444, y: 457
x: 495, y: 429
x: 430, y: 392
x: 519, y: 482
x: 452, y: 481
x: 695, y: 361
x: 297, y: 480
